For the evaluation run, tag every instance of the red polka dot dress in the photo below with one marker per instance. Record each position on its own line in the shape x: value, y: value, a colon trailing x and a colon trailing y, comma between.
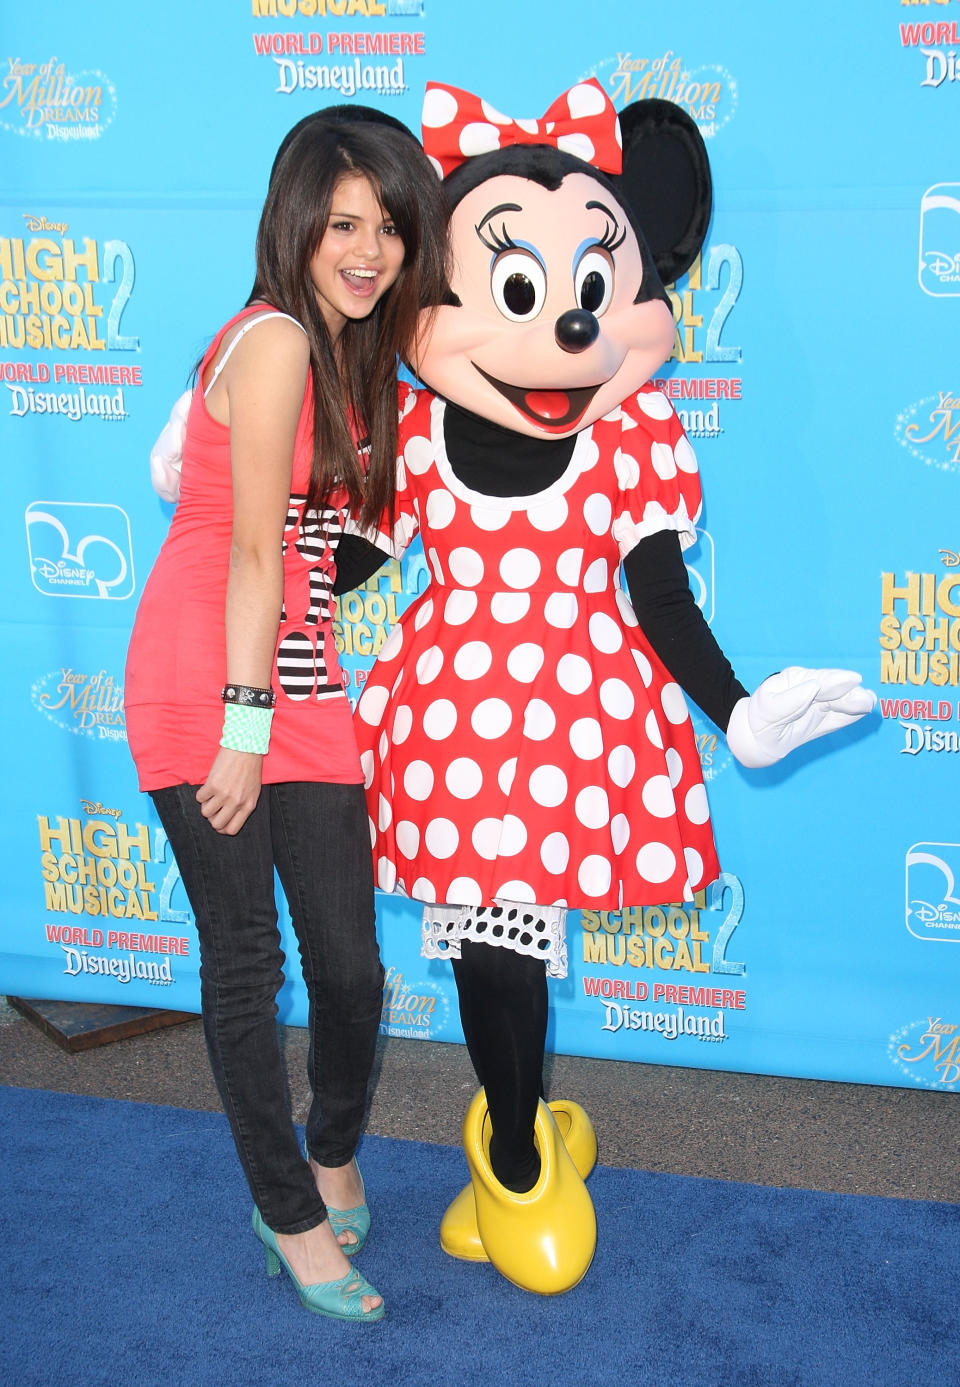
x: 520, y: 739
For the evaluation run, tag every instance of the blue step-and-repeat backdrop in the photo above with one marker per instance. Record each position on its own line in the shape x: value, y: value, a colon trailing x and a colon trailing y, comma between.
x: 815, y: 368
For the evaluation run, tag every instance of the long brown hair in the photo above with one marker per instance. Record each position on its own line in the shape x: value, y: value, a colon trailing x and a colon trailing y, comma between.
x: 357, y: 382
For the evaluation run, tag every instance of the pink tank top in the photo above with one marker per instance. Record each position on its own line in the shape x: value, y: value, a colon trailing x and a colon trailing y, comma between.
x: 176, y: 662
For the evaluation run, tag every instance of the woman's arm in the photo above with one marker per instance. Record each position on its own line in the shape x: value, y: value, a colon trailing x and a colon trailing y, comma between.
x: 258, y: 395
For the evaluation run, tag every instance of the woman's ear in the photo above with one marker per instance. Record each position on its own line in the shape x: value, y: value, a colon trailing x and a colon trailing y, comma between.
x: 666, y: 182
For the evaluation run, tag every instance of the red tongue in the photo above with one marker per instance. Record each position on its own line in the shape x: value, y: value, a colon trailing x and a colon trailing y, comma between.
x: 547, y: 404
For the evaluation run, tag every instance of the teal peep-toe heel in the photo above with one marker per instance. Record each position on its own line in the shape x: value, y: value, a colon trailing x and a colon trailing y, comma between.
x: 355, y: 1221
x: 338, y: 1300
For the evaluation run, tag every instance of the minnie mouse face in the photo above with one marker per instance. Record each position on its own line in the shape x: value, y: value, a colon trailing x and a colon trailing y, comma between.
x: 548, y: 334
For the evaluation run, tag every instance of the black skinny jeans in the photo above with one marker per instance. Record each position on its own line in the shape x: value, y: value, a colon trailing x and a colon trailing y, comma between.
x: 317, y: 838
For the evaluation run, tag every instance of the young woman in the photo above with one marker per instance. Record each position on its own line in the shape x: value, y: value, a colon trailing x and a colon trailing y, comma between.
x: 236, y: 713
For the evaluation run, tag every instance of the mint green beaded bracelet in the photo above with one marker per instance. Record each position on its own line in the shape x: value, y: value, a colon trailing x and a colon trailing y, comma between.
x: 246, y: 728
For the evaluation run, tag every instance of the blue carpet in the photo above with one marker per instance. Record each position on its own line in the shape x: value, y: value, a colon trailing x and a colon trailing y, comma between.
x: 128, y: 1261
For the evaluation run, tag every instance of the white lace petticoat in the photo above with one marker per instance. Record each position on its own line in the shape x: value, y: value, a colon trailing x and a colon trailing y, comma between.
x: 535, y: 930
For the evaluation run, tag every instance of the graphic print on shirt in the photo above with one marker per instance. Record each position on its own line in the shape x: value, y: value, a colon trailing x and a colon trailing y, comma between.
x: 301, y: 659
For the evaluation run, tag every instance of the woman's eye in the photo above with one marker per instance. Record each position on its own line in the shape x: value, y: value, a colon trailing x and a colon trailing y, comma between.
x: 593, y: 282
x: 519, y: 285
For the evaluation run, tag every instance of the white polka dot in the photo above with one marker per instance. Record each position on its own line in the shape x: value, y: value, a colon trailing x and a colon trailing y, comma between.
x: 655, y: 862
x: 655, y: 404
x: 424, y: 613
x: 439, y: 108
x: 429, y: 665
x: 441, y: 508
x: 625, y: 607
x: 686, y: 458
x: 663, y: 461
x: 408, y: 837
x: 372, y: 829
x: 466, y: 565
x: 436, y: 567
x: 547, y: 516
x: 486, y: 838
x: 383, y: 746
x: 586, y: 739
x: 459, y: 607
x: 548, y: 786
x: 506, y: 774
x: 594, y: 875
x: 478, y: 138
x: 596, y: 577
x: 592, y: 807
x: 574, y: 674
x: 674, y: 766
x: 695, y: 867
x: 616, y: 698
x: 598, y: 513
x: 464, y: 891
x: 579, y: 144
x: 440, y: 719
x: 423, y: 890
x: 473, y: 660
x: 622, y: 765
x: 386, y: 874
x: 519, y: 568
x: 464, y: 778
x: 539, y: 720
x: 418, y: 455
x: 491, y: 718
x: 384, y: 813
x: 372, y: 704
x: 513, y: 838
x: 658, y: 797
x: 627, y: 469
x: 494, y: 116
x: 508, y: 607
x: 418, y: 780
x: 391, y: 646
x: 519, y: 891
x: 555, y: 853
x: 606, y: 634
x: 441, y: 838
x: 585, y: 100
x: 367, y: 766
x: 652, y: 729
x: 695, y: 805
x: 489, y: 518
x: 619, y: 832
x: 643, y: 665
x: 674, y: 704
x: 524, y: 662
x: 402, y: 723
x: 561, y: 610
x: 568, y: 567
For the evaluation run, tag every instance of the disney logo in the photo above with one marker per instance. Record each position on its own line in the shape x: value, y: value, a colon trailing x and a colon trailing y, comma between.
x: 46, y: 568
x: 950, y: 557
x: 928, y: 914
x: 943, y: 266
x: 90, y: 806
x: 41, y: 224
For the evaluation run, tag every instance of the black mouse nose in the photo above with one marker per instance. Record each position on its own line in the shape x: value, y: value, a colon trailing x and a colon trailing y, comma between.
x: 576, y: 330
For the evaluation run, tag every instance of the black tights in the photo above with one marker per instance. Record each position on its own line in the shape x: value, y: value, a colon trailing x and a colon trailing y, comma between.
x: 503, y: 1011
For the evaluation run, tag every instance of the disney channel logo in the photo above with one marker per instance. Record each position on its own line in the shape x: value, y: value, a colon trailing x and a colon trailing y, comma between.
x: 927, y: 1051
x: 80, y: 549
x: 939, y: 268
x: 932, y: 904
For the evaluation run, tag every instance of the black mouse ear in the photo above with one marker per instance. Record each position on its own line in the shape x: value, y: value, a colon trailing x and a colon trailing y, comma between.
x: 666, y: 182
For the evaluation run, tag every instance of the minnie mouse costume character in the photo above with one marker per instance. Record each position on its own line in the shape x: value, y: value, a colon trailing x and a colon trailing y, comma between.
x: 524, y: 734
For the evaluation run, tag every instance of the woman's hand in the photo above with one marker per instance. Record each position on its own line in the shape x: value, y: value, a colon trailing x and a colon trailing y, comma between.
x: 230, y: 792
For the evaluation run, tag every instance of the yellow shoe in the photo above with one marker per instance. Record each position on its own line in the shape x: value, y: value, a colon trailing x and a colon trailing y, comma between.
x: 459, y: 1234
x: 543, y: 1240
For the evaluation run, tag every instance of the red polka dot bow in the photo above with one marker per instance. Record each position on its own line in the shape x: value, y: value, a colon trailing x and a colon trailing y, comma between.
x: 583, y: 122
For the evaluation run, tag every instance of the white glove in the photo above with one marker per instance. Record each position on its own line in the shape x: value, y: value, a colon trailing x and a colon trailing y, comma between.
x: 793, y: 707
x: 166, y: 455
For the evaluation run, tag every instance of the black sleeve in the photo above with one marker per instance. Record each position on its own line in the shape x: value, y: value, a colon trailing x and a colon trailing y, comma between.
x: 675, y: 626
x: 357, y: 560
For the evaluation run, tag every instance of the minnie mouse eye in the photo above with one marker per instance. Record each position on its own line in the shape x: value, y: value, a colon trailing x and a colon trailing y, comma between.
x: 519, y: 285
x: 593, y: 282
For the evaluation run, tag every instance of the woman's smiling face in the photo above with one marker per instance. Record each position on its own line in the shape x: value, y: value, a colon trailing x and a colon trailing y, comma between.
x: 358, y: 258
